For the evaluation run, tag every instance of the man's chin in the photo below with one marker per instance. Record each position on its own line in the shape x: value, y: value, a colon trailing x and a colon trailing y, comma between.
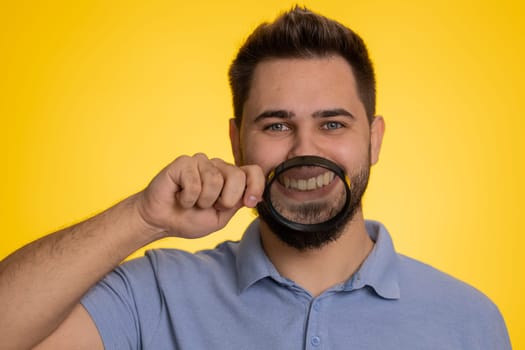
x: 310, y: 213
x: 303, y: 241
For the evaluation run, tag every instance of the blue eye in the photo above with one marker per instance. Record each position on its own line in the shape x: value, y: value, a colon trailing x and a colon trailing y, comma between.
x: 332, y: 125
x: 277, y: 127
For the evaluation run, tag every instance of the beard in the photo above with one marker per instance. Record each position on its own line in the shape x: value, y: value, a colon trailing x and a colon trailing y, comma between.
x: 311, y: 212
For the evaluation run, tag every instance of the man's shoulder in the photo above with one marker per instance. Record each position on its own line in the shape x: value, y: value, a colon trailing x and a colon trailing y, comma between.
x: 223, y: 254
x: 452, y: 303
x: 421, y: 285
x: 163, y: 271
x: 421, y: 281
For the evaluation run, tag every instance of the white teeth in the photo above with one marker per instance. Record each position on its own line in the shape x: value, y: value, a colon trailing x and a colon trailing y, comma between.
x: 327, y: 177
x: 320, y: 181
x: 308, y: 184
x: 302, y: 184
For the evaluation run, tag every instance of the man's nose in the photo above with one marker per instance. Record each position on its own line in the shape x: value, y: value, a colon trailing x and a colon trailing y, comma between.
x: 304, y: 143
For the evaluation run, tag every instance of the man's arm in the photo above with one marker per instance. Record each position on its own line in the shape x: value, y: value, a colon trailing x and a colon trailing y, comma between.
x: 77, y: 331
x: 42, y: 283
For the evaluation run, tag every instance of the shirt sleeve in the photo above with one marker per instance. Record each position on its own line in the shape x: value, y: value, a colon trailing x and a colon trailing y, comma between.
x: 124, y: 304
x: 495, y: 331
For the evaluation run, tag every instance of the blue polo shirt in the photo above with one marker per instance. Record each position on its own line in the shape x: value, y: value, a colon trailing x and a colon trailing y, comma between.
x: 232, y: 297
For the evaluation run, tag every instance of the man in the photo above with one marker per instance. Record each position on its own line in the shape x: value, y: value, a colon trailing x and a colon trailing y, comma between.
x: 302, y: 86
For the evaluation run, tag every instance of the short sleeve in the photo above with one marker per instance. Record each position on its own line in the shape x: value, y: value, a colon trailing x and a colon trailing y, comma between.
x: 124, y: 304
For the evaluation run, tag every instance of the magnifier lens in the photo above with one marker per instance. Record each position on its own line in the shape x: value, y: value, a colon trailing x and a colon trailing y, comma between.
x: 307, y: 193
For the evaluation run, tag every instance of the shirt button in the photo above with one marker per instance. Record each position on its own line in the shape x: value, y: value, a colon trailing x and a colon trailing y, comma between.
x: 316, y: 341
x: 317, y: 306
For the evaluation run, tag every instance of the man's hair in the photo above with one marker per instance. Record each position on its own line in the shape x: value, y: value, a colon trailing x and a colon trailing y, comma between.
x: 300, y: 33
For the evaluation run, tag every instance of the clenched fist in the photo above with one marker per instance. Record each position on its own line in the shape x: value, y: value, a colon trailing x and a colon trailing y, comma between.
x: 194, y: 196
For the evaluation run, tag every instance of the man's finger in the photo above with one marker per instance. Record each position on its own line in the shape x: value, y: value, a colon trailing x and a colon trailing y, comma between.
x: 255, y: 182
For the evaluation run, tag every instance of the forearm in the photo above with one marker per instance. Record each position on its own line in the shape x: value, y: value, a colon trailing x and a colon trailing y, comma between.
x: 43, y: 281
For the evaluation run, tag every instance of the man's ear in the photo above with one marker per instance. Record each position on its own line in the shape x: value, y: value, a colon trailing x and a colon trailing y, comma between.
x: 377, y: 130
x: 235, y: 135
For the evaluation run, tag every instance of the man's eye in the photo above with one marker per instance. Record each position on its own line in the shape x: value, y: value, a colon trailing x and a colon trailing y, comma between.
x: 277, y: 127
x: 332, y: 125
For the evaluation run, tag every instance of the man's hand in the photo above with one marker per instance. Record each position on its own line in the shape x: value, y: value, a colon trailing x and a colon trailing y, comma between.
x: 194, y: 196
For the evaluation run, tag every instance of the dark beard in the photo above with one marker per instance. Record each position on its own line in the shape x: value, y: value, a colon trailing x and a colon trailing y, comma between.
x: 303, y: 240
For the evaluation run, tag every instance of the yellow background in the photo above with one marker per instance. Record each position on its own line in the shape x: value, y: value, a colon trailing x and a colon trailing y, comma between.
x: 97, y: 96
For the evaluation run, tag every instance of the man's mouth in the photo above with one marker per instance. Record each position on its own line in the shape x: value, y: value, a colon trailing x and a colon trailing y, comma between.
x: 309, y: 184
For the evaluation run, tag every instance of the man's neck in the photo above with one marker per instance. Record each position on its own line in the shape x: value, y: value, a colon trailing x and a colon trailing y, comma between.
x: 316, y: 270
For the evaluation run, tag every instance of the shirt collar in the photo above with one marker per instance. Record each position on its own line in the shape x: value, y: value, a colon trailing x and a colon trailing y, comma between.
x: 379, y: 271
x: 252, y: 264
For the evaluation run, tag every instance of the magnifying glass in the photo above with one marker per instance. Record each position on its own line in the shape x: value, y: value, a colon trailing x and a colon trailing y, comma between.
x: 299, y: 195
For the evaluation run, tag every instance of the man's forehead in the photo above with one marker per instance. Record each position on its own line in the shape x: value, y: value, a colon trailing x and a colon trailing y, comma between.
x: 302, y: 86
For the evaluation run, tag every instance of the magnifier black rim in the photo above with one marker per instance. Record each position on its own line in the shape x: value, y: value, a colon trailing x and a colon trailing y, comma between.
x: 307, y: 161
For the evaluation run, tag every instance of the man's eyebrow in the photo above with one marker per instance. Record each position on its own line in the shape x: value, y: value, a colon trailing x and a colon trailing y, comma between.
x: 324, y: 113
x: 279, y: 113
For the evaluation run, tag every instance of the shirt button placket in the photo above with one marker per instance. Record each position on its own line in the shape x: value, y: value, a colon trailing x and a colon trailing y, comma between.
x: 313, y: 336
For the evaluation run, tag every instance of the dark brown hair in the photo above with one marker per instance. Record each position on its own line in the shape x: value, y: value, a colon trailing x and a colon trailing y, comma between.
x: 300, y: 33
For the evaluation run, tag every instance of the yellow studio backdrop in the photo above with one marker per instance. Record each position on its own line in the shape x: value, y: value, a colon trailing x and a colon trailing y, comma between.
x: 98, y: 96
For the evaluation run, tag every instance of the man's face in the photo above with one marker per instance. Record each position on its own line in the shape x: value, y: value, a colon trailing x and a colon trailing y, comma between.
x: 300, y: 107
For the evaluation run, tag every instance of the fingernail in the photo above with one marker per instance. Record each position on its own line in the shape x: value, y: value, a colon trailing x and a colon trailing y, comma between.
x: 252, y: 201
